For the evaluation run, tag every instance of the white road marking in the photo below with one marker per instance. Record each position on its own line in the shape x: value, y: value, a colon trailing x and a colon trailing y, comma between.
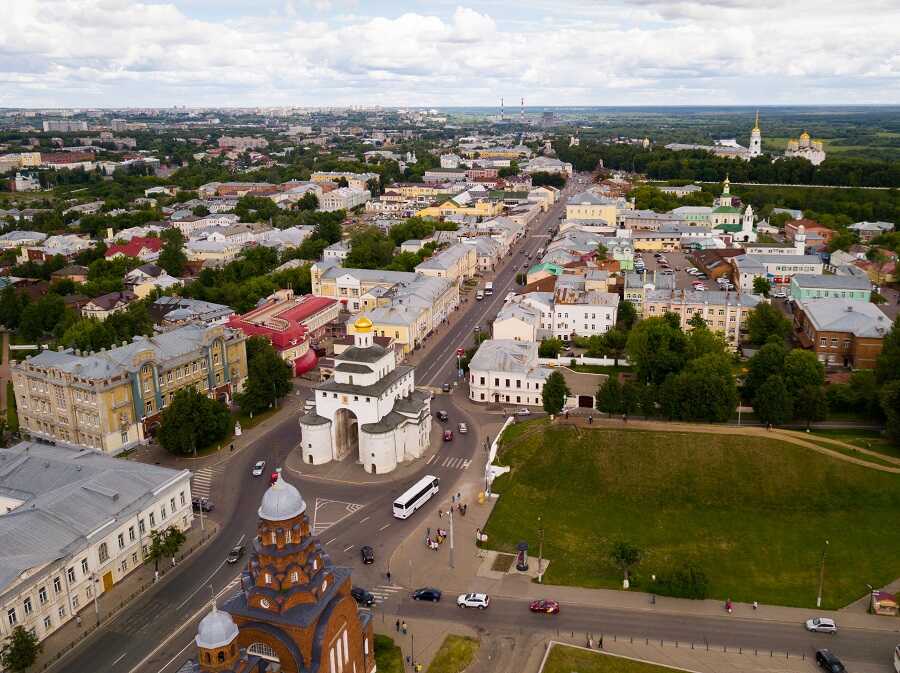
x: 331, y: 540
x: 349, y: 548
x: 180, y: 652
x: 384, y: 526
x: 465, y: 464
x: 364, y: 520
x: 119, y: 659
x: 431, y: 460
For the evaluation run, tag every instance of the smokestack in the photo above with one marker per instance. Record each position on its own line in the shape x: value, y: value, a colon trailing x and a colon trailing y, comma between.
x: 522, y: 111
x: 501, y: 108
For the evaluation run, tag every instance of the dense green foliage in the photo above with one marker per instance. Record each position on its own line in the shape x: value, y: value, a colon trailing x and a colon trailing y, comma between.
x: 268, y: 377
x: 20, y: 650
x: 192, y: 422
x: 554, y: 393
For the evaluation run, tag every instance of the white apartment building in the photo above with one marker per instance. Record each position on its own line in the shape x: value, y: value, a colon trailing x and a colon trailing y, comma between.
x: 507, y: 372
x: 724, y: 312
x: 76, y: 522
x: 344, y: 198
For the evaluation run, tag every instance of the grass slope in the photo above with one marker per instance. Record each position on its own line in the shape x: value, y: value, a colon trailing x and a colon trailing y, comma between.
x: 563, y: 659
x: 454, y: 655
x: 388, y: 657
x: 751, y: 512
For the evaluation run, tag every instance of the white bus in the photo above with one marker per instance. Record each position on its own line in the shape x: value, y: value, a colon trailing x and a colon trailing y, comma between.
x: 897, y: 658
x: 416, y: 496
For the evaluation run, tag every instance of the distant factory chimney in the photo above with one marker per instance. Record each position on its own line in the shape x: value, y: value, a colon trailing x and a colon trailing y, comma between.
x: 522, y: 112
x: 501, y: 108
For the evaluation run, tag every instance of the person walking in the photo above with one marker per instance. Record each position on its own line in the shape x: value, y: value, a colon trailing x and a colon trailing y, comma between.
x: 403, y: 627
x: 398, y: 626
x: 389, y: 576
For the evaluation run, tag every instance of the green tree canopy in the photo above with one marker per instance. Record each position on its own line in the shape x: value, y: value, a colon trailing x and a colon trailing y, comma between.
x: 772, y: 402
x: 890, y: 405
x: 802, y: 368
x: 609, y: 396
x: 554, y: 393
x: 887, y: 367
x: 192, y: 422
x: 550, y: 348
x: 370, y: 249
x: 172, y: 257
x: 766, y: 321
x: 762, y: 286
x: 626, y: 316
x: 656, y: 348
x: 704, y: 391
x: 308, y: 201
x: 767, y: 361
x: 268, y: 376
x: 20, y: 650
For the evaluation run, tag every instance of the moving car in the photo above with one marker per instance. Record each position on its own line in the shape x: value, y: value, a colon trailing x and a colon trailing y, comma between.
x: 235, y: 554
x: 367, y: 554
x: 480, y: 601
x: 427, y: 594
x: 258, y: 468
x: 442, y: 415
x: 828, y: 662
x: 463, y: 428
x: 479, y: 295
x: 445, y: 387
x: 448, y: 435
x: 363, y: 597
x: 523, y: 412
x: 202, y: 505
x: 779, y: 294
x: 821, y: 625
x: 544, y: 606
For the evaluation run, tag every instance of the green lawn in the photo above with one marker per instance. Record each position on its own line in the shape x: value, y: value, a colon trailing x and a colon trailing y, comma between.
x: 564, y: 659
x: 866, y: 439
x: 751, y: 512
x: 454, y: 655
x: 388, y: 657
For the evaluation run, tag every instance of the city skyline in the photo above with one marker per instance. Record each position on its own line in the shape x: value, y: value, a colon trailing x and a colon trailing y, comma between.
x: 92, y: 53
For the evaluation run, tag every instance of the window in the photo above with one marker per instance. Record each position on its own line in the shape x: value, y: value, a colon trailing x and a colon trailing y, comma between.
x: 124, y: 436
x: 183, y: 500
x: 62, y: 612
x: 134, y: 558
x: 70, y: 574
x: 141, y: 527
x: 172, y: 504
x: 89, y: 591
x: 42, y: 595
x: 48, y: 623
x: 123, y: 566
x: 131, y: 535
x: 268, y: 578
x: 121, y: 541
x: 11, y: 617
x: 295, y: 577
x: 74, y: 602
x: 57, y: 585
x: 152, y: 519
x: 104, y: 553
x: 29, y: 608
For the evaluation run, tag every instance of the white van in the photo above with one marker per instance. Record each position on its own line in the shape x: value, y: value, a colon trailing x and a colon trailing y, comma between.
x: 488, y: 289
x: 479, y: 295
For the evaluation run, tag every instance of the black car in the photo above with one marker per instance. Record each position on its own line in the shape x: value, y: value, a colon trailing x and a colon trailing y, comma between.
x: 235, y: 554
x: 362, y: 596
x: 427, y: 594
x: 202, y: 505
x: 368, y: 554
x: 442, y: 416
x: 445, y: 387
x: 828, y: 662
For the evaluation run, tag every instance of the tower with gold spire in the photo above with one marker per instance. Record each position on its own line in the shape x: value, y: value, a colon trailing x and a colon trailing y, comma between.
x: 755, y: 139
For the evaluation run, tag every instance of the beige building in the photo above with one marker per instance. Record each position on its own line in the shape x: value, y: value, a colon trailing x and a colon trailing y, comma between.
x: 589, y: 206
x: 112, y: 400
x: 724, y: 312
x: 457, y: 263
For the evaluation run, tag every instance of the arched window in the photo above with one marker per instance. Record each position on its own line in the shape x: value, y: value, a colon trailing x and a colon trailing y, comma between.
x: 295, y: 577
x: 268, y: 578
x: 232, y: 649
x: 221, y: 656
x: 287, y: 536
x: 273, y: 537
x: 208, y: 658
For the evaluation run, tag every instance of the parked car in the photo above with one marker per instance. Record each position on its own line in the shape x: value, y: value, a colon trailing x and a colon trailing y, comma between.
x: 427, y: 594
x: 258, y: 468
x: 367, y: 554
x: 480, y: 601
x: 821, y: 625
x: 463, y: 428
x: 547, y: 607
x: 779, y: 294
x: 442, y: 416
x: 445, y: 387
x: 448, y: 435
x: 827, y: 661
x: 202, y: 505
x: 235, y: 554
x: 524, y: 411
x: 363, y: 597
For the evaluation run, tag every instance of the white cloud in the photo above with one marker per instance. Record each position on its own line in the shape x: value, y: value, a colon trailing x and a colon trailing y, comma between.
x: 116, y: 52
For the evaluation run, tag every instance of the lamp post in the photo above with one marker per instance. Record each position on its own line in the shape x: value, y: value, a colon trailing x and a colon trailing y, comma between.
x: 96, y: 604
x: 541, y: 549
x: 821, y: 575
x: 451, y: 535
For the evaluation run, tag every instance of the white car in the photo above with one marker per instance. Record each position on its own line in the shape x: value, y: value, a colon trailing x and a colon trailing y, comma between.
x: 523, y: 412
x: 779, y: 294
x: 480, y: 601
x: 821, y: 625
x: 463, y: 428
x: 258, y: 468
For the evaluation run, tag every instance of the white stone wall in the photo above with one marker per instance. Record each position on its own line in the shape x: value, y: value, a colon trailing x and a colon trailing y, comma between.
x: 316, y: 447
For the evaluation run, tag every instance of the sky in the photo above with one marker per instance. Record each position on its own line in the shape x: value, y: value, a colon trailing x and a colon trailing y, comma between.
x: 242, y: 53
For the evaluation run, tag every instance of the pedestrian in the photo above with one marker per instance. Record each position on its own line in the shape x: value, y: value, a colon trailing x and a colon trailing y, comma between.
x: 441, y: 513
x: 452, y: 499
x: 428, y: 531
x: 652, y: 599
x: 458, y: 496
x: 389, y: 576
x: 624, y: 418
x: 155, y: 576
x: 567, y: 414
x: 755, y: 605
x: 590, y: 420
x: 398, y: 626
x: 600, y: 642
x: 403, y: 627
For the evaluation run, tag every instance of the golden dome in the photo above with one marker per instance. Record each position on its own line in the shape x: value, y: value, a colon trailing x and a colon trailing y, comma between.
x: 362, y: 324
x: 804, y: 136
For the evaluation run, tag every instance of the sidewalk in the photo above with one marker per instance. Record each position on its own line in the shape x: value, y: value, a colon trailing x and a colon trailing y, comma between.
x: 111, y: 602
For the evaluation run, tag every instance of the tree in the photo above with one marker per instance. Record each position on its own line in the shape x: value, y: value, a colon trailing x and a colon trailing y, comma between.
x: 767, y: 361
x: 20, y: 650
x: 11, y: 307
x: 656, y: 348
x: 342, y: 182
x: 165, y: 543
x: 649, y: 399
x: 631, y: 397
x: 887, y: 367
x: 370, y: 249
x: 609, y: 396
x: 172, y: 257
x: 613, y: 344
x: 810, y: 404
x: 766, y: 321
x: 549, y: 348
x: 192, y: 422
x: 554, y: 393
x: 801, y: 369
x: 762, y: 286
x: 626, y: 316
x: 308, y: 201
x: 268, y: 377
x: 702, y: 341
x: 626, y: 556
x: 200, y: 211
x: 879, y: 260
x: 704, y: 391
x: 890, y: 405
x: 772, y: 402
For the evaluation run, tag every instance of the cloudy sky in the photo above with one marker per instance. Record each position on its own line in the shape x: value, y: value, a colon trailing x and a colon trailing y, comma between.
x: 432, y: 52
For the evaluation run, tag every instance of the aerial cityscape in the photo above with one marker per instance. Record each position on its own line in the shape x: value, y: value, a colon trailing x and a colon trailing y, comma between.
x: 423, y: 337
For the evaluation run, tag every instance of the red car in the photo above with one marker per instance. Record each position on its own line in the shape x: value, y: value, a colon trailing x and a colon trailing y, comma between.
x: 547, y: 607
x: 448, y: 435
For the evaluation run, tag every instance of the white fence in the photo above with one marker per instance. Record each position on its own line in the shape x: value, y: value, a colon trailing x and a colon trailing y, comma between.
x: 563, y: 361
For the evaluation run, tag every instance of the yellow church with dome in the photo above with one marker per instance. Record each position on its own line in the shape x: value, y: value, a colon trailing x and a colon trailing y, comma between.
x: 806, y: 148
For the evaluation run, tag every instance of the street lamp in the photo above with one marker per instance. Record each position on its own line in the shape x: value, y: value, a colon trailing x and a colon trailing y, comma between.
x: 541, y: 550
x: 821, y: 575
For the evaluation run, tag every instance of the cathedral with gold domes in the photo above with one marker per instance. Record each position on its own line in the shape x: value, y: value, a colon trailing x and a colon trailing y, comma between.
x: 294, y: 613
x: 806, y: 148
x: 370, y: 409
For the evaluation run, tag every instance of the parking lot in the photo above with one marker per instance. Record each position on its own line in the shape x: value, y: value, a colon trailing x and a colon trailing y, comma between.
x: 678, y: 262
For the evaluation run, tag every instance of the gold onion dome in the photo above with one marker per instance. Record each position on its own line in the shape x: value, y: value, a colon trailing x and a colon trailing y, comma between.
x: 362, y: 324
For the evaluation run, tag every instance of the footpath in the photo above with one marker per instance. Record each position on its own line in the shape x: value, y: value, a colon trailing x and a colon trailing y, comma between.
x: 472, y: 569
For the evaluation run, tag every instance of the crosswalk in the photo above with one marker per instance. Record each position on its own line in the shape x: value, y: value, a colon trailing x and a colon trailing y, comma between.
x: 384, y: 592
x: 450, y: 462
x: 202, y: 481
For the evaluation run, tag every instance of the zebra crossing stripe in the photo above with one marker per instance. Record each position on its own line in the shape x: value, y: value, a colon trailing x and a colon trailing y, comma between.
x: 465, y: 464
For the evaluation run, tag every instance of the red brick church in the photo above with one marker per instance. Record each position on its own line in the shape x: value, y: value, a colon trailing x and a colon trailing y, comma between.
x: 295, y: 613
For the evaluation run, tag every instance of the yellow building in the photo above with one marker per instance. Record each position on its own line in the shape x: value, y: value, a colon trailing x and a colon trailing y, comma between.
x: 481, y: 208
x: 112, y: 400
x: 457, y: 263
x: 416, y: 190
x: 589, y: 206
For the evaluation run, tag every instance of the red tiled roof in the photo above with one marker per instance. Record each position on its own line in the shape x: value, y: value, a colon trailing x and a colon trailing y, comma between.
x: 134, y: 246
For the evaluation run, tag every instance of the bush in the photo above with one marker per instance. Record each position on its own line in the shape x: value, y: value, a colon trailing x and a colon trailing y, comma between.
x: 686, y: 582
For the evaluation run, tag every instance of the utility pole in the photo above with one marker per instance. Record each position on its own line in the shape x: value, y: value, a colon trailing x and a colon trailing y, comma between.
x: 96, y: 604
x: 541, y: 550
x: 200, y: 502
x: 821, y: 575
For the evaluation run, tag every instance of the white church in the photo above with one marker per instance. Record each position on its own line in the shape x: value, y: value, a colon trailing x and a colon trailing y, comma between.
x: 726, y: 217
x: 369, y: 410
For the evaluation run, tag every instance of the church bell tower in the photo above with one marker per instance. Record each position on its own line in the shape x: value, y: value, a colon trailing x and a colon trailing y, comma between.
x: 756, y: 139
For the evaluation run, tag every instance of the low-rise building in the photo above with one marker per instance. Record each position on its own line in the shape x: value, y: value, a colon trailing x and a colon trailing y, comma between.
x: 777, y: 269
x: 507, y: 371
x: 354, y: 180
x: 170, y: 311
x: 147, y: 278
x: 724, y: 312
x: 105, y: 305
x: 841, y: 332
x: 75, y: 523
x: 16, y: 239
x: 590, y: 206
x: 869, y: 230
x: 144, y: 249
x: 73, y: 272
x: 66, y: 245
x: 857, y: 287
x: 518, y: 321
x: 457, y: 263
x: 337, y: 252
x: 344, y: 198
x: 112, y: 400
